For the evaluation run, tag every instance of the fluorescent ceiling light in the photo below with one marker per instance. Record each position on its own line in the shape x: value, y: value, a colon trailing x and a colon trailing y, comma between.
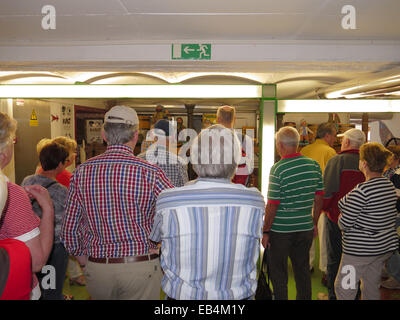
x: 130, y: 91
x: 361, y: 105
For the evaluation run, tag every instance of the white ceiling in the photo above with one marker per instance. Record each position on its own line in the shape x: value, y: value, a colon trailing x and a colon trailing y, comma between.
x: 211, y: 20
x: 298, y: 44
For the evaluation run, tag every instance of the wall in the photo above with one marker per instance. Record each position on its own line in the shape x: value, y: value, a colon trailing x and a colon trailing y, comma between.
x: 313, y: 118
x: 29, y: 133
x: 380, y: 131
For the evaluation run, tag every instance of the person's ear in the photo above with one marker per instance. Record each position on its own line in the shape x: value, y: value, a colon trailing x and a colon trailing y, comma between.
x: 135, y: 136
x: 103, y: 135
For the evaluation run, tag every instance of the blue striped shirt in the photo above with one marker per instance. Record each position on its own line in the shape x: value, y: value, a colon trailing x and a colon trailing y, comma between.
x: 210, y: 232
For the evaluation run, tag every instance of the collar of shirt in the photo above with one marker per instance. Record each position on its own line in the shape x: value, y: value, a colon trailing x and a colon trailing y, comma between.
x: 321, y: 141
x: 293, y: 155
x: 216, y: 180
x: 356, y: 151
x: 120, y: 148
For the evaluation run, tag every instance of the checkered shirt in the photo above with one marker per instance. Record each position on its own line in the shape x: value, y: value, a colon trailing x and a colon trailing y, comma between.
x: 170, y: 163
x: 111, y: 205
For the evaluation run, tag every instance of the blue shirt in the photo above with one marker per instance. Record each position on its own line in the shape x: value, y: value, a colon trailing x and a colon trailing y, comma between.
x: 210, y: 231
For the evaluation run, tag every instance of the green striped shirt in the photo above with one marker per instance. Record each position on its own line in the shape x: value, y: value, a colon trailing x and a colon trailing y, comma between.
x: 293, y: 183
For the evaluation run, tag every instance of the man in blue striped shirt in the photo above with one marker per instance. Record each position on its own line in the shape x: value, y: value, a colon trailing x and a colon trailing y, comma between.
x: 210, y: 228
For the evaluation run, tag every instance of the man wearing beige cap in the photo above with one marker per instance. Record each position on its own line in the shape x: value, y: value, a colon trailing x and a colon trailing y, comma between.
x: 110, y: 212
x: 341, y: 176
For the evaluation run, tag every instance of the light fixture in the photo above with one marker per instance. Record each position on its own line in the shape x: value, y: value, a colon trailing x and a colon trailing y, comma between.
x: 268, y: 143
x: 131, y: 91
x: 360, y: 105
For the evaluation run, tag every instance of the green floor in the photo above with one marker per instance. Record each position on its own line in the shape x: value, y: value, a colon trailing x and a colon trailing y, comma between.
x: 80, y: 293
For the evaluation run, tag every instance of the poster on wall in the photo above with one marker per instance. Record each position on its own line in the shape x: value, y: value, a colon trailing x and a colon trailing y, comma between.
x: 93, y: 131
x: 62, y: 120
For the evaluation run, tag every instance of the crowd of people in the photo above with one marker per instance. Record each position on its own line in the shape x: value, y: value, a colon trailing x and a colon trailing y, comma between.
x: 136, y: 225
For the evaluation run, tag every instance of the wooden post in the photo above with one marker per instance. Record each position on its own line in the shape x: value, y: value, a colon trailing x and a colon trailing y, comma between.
x: 279, y: 120
x: 364, y: 127
x: 189, y: 109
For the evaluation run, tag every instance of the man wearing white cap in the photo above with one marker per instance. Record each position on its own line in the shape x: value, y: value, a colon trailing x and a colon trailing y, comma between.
x: 110, y: 212
x: 340, y: 177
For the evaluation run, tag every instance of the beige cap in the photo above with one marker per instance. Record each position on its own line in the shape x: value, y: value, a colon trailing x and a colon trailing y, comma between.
x: 354, y: 135
x: 3, y: 192
x: 122, y: 114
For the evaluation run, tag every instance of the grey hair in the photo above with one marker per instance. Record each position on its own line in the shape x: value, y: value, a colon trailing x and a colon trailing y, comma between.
x: 355, y: 144
x: 119, y: 133
x: 325, y: 128
x: 8, y: 127
x: 216, y: 152
x: 288, y: 136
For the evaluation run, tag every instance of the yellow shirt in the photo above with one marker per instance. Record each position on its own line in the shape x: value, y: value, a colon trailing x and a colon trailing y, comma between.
x: 320, y: 151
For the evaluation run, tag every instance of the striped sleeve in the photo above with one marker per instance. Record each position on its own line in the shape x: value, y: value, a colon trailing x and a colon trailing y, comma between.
x: 320, y: 184
x: 155, y: 234
x: 350, y: 206
x: 274, y: 189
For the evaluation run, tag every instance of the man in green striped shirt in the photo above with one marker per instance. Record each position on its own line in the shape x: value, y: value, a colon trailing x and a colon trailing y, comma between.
x: 295, y: 187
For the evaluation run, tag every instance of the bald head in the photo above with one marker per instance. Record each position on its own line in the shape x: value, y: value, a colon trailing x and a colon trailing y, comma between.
x: 226, y: 116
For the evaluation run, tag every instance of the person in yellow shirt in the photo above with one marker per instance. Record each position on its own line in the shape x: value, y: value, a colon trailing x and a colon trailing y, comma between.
x: 321, y: 151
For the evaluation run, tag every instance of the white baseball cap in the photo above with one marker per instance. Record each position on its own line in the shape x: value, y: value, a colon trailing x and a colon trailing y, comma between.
x: 354, y: 135
x: 121, y: 114
x: 3, y: 192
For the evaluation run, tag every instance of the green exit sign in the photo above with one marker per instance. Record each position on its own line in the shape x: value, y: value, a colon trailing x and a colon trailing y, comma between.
x: 191, y: 51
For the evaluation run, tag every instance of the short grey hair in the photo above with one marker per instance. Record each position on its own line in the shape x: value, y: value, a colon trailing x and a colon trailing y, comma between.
x: 288, y: 136
x: 119, y: 133
x: 325, y: 128
x: 355, y: 144
x: 216, y: 152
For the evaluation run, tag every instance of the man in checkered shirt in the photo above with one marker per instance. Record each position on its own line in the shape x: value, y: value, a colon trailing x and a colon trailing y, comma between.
x: 174, y: 166
x: 110, y: 212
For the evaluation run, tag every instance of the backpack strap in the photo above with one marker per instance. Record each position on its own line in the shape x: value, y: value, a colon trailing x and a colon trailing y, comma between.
x: 47, y: 186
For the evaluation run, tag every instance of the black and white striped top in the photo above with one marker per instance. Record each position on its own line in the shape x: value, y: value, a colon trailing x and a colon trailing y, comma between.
x: 368, y: 217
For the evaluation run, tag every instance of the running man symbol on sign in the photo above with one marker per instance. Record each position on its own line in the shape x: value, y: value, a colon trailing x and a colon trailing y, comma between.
x: 191, y: 51
x: 203, y: 50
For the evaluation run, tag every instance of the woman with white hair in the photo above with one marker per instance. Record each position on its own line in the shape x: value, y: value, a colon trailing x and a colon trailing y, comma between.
x: 18, y: 219
x: 210, y: 228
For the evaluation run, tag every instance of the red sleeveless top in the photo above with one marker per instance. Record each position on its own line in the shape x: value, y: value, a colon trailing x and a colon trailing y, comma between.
x: 16, y: 270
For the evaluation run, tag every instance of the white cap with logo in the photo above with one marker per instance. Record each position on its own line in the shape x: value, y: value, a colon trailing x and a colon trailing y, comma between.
x: 122, y: 114
x: 354, y: 135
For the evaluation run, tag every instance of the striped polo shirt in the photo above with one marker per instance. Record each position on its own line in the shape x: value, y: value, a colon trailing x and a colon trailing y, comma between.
x: 368, y: 218
x: 293, y: 183
x: 210, y: 232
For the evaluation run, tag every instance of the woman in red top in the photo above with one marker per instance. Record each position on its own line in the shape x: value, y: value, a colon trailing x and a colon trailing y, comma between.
x: 63, y: 177
x: 15, y: 261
